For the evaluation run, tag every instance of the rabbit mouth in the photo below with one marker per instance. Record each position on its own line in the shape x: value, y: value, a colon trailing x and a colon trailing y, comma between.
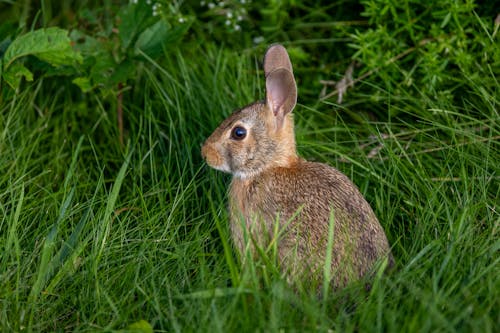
x: 224, y: 167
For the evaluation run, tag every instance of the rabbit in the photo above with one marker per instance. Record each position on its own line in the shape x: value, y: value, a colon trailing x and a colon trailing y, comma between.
x: 272, y: 185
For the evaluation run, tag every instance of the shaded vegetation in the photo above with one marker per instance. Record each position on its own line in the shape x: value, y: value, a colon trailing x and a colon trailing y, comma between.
x: 98, y: 235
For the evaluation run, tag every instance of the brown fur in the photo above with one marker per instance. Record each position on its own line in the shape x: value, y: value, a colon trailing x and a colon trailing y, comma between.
x: 271, y: 184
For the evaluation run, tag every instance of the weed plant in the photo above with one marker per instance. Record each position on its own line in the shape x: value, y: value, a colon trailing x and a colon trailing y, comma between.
x: 101, y: 236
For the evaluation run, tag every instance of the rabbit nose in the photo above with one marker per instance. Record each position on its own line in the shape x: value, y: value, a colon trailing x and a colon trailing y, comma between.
x: 210, y: 155
x: 204, y: 151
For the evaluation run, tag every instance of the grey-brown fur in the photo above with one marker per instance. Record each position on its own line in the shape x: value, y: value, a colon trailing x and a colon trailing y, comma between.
x: 271, y: 184
x: 313, y: 190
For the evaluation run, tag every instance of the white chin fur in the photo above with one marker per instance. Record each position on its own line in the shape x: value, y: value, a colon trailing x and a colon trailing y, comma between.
x: 245, y: 174
x: 223, y: 167
x: 238, y: 173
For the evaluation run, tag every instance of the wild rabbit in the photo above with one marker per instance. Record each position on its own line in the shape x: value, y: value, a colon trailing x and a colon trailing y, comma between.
x: 277, y: 196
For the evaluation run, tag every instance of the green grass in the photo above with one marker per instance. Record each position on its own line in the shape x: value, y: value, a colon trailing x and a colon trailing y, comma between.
x: 95, y: 236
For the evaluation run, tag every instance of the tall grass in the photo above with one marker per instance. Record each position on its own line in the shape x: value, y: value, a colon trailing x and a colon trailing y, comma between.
x: 96, y: 236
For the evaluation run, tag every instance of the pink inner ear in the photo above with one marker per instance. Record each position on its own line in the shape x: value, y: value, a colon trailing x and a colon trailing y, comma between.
x: 281, y: 92
x: 275, y: 96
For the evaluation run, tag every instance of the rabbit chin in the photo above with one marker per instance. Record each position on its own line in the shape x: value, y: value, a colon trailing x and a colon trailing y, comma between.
x: 245, y: 174
x: 222, y: 167
x: 241, y: 174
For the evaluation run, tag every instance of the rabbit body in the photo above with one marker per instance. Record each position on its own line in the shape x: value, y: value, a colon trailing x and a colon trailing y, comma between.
x: 275, y: 196
x: 303, y: 199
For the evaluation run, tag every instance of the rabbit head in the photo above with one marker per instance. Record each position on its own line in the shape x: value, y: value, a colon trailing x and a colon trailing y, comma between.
x: 260, y: 135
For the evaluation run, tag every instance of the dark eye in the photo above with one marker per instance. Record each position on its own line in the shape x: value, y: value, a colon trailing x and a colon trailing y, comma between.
x: 238, y: 133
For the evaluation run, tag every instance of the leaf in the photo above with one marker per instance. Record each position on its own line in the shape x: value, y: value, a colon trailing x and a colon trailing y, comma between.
x: 154, y: 39
x: 122, y: 72
x: 84, y: 84
x: 44, y: 270
x: 4, y: 44
x: 214, y: 293
x: 140, y: 326
x: 15, y: 73
x: 51, y: 45
x: 134, y: 18
x: 102, y: 70
x: 105, y: 73
x: 85, y: 44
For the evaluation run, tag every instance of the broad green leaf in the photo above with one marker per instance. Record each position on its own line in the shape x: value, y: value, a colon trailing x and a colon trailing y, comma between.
x: 105, y: 73
x: 86, y: 44
x: 133, y: 19
x: 51, y: 45
x: 154, y: 39
x: 122, y: 72
x: 102, y: 69
x: 140, y: 326
x: 15, y: 73
x: 84, y: 84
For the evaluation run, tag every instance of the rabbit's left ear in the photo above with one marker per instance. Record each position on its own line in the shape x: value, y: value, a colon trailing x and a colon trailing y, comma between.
x: 281, y: 93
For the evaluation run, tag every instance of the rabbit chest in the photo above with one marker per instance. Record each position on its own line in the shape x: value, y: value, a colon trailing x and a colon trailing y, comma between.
x: 280, y: 201
x: 258, y: 209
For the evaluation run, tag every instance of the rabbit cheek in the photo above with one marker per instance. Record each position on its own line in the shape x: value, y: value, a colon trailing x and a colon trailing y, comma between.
x: 237, y: 157
x: 243, y: 159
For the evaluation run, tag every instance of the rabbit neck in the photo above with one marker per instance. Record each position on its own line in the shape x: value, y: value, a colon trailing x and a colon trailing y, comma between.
x: 286, y: 151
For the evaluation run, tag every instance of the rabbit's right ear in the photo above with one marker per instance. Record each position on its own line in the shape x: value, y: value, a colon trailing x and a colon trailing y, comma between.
x: 281, y: 94
x: 281, y: 90
x: 276, y: 57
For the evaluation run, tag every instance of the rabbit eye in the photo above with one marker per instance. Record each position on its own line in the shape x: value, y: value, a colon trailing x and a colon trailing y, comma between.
x: 238, y: 133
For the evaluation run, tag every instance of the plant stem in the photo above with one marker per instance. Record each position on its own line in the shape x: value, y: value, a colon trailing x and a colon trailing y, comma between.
x: 119, y: 112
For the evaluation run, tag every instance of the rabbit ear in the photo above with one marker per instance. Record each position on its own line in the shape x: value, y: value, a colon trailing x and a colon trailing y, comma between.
x: 276, y: 57
x: 281, y: 93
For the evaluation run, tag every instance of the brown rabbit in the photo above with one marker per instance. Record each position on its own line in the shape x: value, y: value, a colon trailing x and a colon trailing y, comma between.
x: 276, y: 196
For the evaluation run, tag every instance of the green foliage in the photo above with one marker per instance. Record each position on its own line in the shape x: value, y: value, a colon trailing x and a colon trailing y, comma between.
x: 141, y: 326
x: 106, y: 59
x: 111, y: 59
x: 96, y: 235
x: 423, y: 46
x: 51, y: 45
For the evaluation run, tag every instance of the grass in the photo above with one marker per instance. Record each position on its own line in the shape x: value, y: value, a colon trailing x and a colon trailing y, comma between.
x: 95, y: 236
